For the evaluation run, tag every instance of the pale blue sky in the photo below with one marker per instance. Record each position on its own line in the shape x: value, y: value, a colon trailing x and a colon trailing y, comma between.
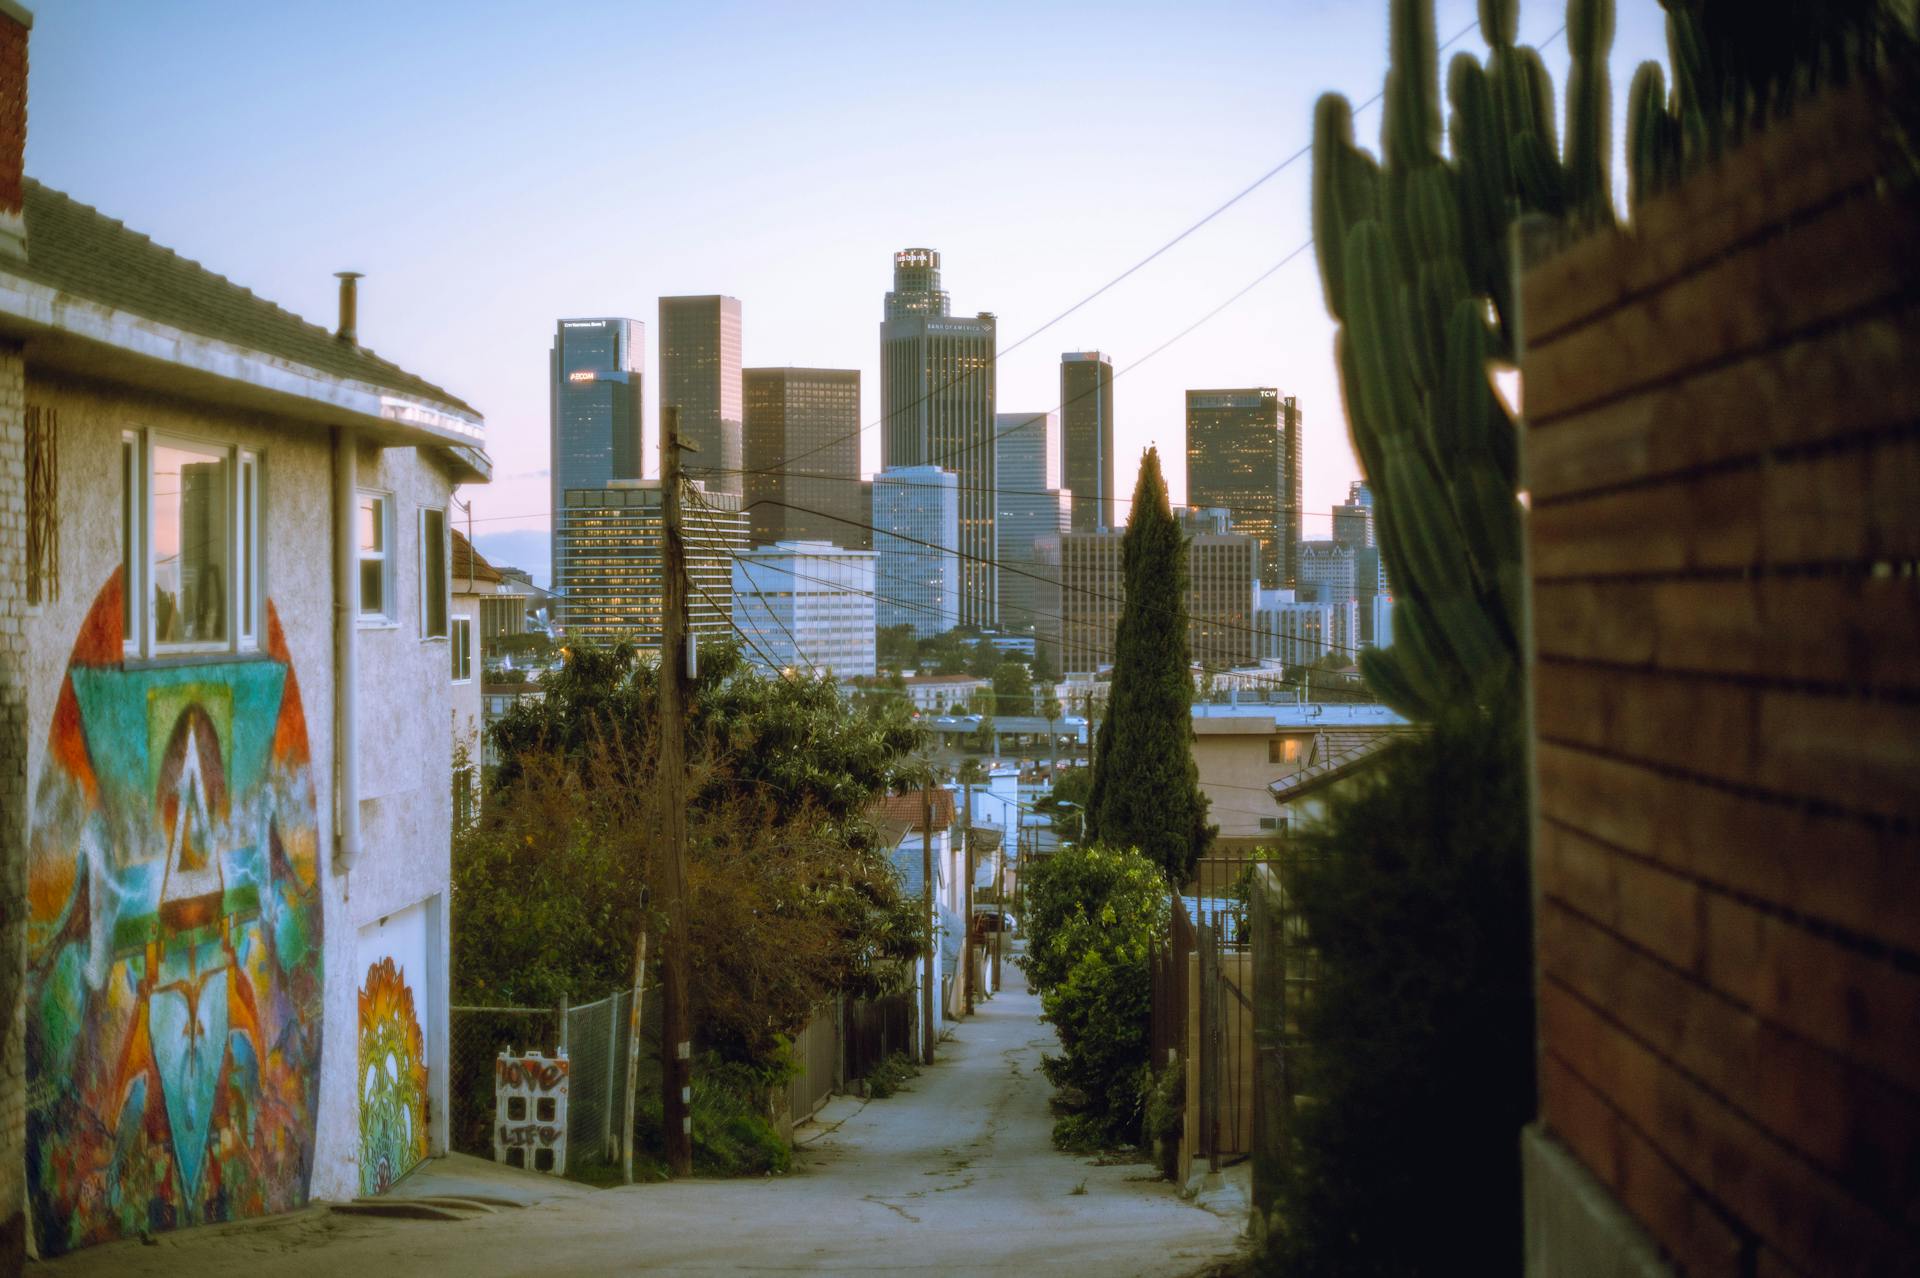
x: 493, y: 167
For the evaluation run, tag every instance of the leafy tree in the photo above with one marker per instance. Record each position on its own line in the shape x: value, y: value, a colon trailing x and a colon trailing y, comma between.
x: 982, y: 658
x: 1146, y: 787
x: 1093, y: 915
x: 1066, y: 803
x: 1044, y: 669
x: 791, y: 893
x: 895, y: 646
x: 1012, y: 689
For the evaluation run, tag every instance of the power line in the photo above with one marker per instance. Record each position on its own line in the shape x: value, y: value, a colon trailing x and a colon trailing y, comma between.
x: 1219, y: 623
x: 991, y: 561
x: 1249, y: 189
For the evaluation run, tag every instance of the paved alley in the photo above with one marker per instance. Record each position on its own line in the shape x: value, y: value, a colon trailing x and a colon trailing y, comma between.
x: 955, y: 1176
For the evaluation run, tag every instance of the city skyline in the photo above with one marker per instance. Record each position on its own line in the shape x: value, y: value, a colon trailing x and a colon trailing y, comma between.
x: 218, y: 186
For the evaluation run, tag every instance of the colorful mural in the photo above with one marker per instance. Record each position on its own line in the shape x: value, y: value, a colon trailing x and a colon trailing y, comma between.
x: 174, y: 968
x: 393, y: 1079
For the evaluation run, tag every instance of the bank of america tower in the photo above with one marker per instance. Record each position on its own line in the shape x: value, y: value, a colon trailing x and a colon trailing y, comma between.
x: 937, y: 406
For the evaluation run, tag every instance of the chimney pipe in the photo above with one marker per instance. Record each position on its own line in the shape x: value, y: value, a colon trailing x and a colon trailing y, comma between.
x: 349, y: 330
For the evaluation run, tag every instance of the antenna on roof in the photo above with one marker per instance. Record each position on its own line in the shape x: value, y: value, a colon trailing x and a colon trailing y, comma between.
x: 349, y: 330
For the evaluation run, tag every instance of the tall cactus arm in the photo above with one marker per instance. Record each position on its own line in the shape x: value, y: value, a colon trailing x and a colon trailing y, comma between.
x: 1411, y: 128
x: 1589, y: 183
x: 1500, y: 22
x: 1653, y: 135
x: 1346, y: 185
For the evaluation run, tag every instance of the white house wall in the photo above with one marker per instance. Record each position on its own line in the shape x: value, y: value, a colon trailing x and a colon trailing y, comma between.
x: 405, y: 712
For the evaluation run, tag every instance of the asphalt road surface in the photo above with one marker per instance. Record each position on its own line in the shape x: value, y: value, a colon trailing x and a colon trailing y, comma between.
x: 953, y: 1176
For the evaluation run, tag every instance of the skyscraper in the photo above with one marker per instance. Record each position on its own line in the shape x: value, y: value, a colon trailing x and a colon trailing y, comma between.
x: 807, y: 604
x: 1243, y: 452
x: 1328, y: 574
x: 1353, y: 526
x: 1090, y: 593
x: 1030, y: 505
x: 596, y: 372
x: 916, y: 520
x: 700, y: 371
x: 802, y: 429
x: 937, y: 384
x: 1086, y: 410
x: 611, y: 582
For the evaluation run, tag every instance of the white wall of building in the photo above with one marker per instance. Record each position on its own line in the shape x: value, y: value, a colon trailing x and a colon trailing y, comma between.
x: 405, y: 709
x: 809, y: 606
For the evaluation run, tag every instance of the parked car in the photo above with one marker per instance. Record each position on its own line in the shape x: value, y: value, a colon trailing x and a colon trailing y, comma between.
x: 988, y: 920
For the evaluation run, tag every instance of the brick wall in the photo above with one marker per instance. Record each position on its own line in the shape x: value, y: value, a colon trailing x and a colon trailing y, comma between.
x: 1723, y: 452
x: 13, y: 805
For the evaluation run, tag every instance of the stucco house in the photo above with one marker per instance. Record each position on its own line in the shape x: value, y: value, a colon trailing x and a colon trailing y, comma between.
x: 1242, y: 751
x: 476, y: 583
x: 225, y: 792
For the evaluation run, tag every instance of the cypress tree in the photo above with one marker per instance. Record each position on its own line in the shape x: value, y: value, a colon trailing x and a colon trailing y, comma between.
x: 1146, y: 788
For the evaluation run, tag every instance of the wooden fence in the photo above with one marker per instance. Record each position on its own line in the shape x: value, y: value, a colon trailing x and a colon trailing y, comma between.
x: 1723, y: 455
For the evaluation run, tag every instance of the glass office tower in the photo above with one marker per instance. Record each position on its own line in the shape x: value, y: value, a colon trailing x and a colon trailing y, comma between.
x: 700, y: 372
x: 1243, y: 453
x: 596, y: 430
x: 1031, y: 506
x: 1086, y: 412
x: 803, y: 455
x: 937, y: 386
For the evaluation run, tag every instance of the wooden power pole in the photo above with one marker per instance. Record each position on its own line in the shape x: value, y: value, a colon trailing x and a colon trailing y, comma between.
x: 676, y: 1038
x: 930, y: 966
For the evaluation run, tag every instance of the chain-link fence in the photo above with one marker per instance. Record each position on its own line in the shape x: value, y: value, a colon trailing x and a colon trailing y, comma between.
x: 596, y: 1038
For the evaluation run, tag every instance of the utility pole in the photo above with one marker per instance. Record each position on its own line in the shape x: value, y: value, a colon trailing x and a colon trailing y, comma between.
x: 676, y: 1039
x: 929, y: 965
x: 1000, y: 892
x: 966, y: 859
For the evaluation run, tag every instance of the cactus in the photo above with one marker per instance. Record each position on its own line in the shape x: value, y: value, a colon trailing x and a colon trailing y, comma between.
x: 1734, y: 64
x: 1414, y: 263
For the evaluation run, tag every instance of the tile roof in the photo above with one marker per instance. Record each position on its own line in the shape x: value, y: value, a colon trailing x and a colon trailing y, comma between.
x: 1327, y: 766
x: 902, y: 811
x: 469, y: 564
x: 78, y: 250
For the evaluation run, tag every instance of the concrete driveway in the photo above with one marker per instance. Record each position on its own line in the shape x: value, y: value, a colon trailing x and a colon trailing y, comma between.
x: 954, y: 1176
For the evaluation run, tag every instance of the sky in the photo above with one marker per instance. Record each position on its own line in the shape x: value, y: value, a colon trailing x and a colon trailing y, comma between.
x: 493, y: 168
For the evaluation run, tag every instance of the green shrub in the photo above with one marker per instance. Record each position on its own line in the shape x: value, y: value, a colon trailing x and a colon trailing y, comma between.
x: 890, y: 1076
x: 733, y: 1131
x: 1420, y: 1068
x: 1093, y: 915
x: 1167, y: 1114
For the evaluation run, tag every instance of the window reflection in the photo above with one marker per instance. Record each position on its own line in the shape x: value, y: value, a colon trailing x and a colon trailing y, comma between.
x: 190, y: 540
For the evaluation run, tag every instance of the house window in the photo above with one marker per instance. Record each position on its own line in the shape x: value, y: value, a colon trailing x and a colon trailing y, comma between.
x: 462, y: 646
x: 375, y: 536
x: 1282, y: 749
x: 433, y: 574
x: 190, y: 567
x: 1269, y: 823
x: 191, y: 500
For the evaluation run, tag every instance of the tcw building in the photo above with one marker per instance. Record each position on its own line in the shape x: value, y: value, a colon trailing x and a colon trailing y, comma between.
x: 225, y: 706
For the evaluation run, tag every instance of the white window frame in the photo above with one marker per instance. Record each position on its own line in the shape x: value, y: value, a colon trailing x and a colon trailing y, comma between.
x: 446, y: 573
x: 387, y: 617
x: 248, y: 548
x: 460, y: 639
x: 246, y: 576
x: 133, y: 541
